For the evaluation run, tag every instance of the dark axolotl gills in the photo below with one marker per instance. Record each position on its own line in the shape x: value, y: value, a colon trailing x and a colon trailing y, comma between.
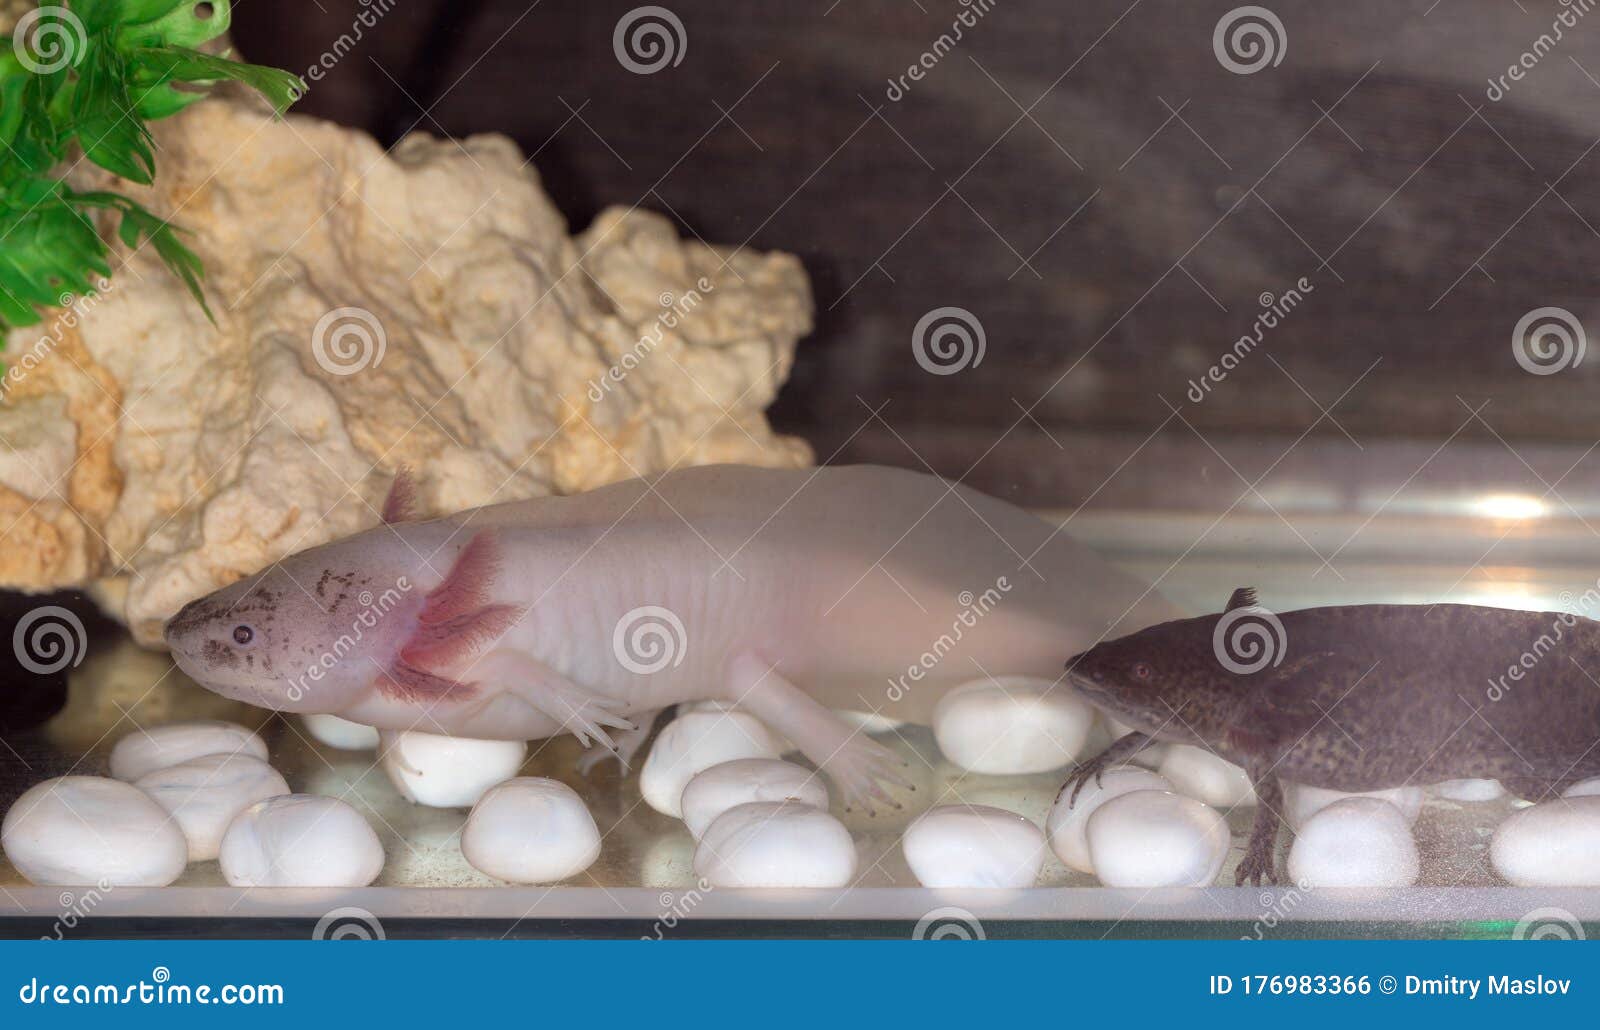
x: 1357, y: 698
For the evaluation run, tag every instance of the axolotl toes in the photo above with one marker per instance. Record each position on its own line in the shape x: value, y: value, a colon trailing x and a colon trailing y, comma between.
x: 790, y: 593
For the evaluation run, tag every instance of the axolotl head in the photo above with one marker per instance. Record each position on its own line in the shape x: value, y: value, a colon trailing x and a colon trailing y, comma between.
x: 309, y: 634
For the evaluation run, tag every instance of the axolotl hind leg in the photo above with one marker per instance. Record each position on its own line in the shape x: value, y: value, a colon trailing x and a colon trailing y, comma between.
x: 858, y: 766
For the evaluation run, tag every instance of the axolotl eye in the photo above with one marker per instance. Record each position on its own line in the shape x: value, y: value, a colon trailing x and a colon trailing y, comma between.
x: 244, y: 635
x: 1142, y: 671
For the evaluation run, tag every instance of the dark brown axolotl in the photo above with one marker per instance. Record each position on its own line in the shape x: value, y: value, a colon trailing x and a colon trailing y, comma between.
x: 1357, y: 698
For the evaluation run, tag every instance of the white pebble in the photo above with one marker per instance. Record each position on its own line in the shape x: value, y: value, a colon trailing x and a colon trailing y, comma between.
x: 340, y: 733
x: 1553, y: 844
x: 721, y: 787
x: 776, y: 844
x: 1150, y: 757
x: 1066, y: 822
x: 693, y: 743
x: 1583, y: 789
x: 973, y: 846
x: 1468, y: 790
x: 300, y: 840
x: 1301, y: 802
x: 82, y: 830
x: 1358, y: 841
x: 146, y: 751
x: 1011, y: 725
x: 1198, y: 773
x: 204, y: 794
x: 1154, y: 838
x: 530, y: 830
x: 449, y: 772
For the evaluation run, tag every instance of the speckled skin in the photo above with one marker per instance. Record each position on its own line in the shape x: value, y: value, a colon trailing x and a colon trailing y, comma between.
x: 1364, y: 697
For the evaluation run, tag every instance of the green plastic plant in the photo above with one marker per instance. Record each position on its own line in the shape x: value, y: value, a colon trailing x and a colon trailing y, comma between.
x: 83, y: 80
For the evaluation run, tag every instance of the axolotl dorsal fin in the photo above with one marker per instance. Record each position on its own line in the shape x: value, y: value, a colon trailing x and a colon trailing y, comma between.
x: 401, y: 503
x: 457, y: 622
x: 1244, y: 597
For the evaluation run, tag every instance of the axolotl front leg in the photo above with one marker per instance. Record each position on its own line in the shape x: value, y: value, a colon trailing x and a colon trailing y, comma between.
x: 577, y: 710
x: 858, y: 765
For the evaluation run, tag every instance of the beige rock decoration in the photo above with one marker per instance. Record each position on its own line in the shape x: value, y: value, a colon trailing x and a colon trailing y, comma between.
x: 424, y: 307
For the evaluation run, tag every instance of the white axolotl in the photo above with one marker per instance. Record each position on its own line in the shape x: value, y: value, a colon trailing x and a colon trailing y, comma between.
x: 789, y: 593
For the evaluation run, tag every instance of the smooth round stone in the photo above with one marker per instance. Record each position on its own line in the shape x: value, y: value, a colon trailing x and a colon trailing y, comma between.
x: 1553, y: 844
x: 973, y: 846
x: 739, y: 782
x: 776, y: 844
x: 1468, y: 790
x: 1358, y: 841
x: 1066, y: 822
x: 1301, y: 802
x: 1150, y: 757
x: 81, y: 830
x: 300, y: 840
x: 1011, y: 725
x: 449, y: 772
x: 530, y: 830
x: 204, y: 794
x: 693, y: 743
x: 1199, y: 774
x: 340, y: 733
x: 1583, y: 789
x: 1154, y: 838
x: 146, y: 751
